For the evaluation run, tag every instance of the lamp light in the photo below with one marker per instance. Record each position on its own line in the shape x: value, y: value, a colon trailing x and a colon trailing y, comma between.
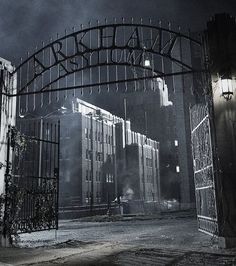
x: 227, y: 88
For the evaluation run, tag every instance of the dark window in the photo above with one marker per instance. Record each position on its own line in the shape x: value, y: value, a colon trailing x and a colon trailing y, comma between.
x: 99, y: 176
x: 86, y: 132
x: 87, y: 174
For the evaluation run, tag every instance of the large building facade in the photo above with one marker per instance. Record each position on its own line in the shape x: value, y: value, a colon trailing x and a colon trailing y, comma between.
x: 97, y: 152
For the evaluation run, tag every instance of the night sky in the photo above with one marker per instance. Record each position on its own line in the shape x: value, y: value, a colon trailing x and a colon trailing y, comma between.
x: 25, y: 23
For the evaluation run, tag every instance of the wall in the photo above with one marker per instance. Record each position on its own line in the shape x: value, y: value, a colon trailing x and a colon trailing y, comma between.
x: 7, y: 116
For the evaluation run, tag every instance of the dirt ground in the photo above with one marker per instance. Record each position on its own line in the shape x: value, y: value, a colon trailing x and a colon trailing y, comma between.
x: 167, y: 240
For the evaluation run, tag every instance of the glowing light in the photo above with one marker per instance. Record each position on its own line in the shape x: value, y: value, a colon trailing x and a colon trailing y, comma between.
x: 147, y: 63
x: 227, y: 88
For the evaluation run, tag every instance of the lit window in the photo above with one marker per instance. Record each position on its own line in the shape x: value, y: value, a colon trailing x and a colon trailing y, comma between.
x: 87, y: 197
x: 177, y: 169
x: 147, y: 63
x: 176, y: 143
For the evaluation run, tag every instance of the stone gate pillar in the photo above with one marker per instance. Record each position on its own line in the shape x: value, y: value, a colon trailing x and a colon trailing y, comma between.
x: 221, y: 45
x: 7, y: 117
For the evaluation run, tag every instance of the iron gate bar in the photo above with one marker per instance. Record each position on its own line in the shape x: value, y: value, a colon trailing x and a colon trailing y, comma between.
x: 46, y: 141
x: 207, y: 213
x: 58, y: 163
x: 99, y: 65
x: 32, y: 199
x: 155, y: 75
x: 90, y: 66
x: 105, y: 83
x: 37, y: 177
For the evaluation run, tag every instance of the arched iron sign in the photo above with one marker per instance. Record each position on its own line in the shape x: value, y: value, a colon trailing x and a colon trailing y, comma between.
x: 104, y: 55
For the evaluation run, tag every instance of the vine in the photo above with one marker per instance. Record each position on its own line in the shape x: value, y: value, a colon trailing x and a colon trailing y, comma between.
x: 11, y: 203
x: 41, y: 193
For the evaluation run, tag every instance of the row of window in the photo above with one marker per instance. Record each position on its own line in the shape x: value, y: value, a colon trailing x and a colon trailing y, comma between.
x: 98, y: 136
x: 88, y: 176
x: 98, y: 156
x: 97, y: 197
x: 109, y: 178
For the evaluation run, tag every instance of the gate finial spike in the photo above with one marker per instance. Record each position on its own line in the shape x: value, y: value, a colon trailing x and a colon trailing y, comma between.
x: 150, y: 21
x: 159, y: 22
x: 132, y: 20
x: 123, y: 20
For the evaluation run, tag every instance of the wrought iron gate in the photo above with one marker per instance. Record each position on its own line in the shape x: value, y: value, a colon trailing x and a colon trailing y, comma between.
x: 32, y: 177
x: 203, y: 169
